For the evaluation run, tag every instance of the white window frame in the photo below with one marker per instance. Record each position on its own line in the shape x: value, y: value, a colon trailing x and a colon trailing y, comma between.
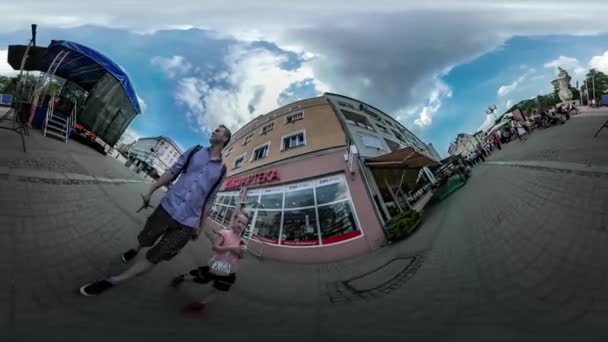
x: 380, y: 140
x: 294, y: 114
x: 302, y: 131
x: 346, y: 105
x: 228, y: 151
x: 244, y: 155
x: 257, y: 148
x: 250, y: 136
x: 271, y: 124
x: 382, y: 128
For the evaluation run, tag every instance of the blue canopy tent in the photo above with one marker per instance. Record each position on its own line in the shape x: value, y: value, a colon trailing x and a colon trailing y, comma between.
x: 111, y: 103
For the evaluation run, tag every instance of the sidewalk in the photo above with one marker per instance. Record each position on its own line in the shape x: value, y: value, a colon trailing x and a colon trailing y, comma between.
x: 50, y: 155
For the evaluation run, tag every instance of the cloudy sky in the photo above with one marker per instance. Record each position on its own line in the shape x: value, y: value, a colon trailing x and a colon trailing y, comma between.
x: 435, y: 65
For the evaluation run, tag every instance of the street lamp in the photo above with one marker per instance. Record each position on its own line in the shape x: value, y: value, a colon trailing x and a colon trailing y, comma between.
x: 593, y: 82
x: 492, y: 110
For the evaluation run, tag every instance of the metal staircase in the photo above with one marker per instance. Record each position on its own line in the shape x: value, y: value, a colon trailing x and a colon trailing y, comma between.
x: 56, y: 125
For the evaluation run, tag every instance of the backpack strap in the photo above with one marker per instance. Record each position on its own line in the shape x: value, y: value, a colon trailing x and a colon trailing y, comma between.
x: 217, y: 184
x: 194, y: 151
x: 185, y: 166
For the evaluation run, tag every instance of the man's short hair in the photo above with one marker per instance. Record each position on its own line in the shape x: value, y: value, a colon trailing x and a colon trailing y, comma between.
x: 227, y: 133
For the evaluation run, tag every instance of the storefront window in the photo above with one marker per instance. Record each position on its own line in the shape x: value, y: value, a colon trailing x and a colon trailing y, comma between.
x: 311, y: 213
x: 300, y: 227
x: 300, y: 198
x: 331, y: 193
x: 267, y: 225
x: 337, y: 222
x: 224, y: 207
x: 271, y: 201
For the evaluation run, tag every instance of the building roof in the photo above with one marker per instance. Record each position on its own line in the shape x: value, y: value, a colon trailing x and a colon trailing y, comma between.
x: 167, y: 139
x: 235, y: 134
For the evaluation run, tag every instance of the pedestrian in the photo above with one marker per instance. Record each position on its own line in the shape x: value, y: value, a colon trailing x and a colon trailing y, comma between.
x: 181, y: 214
x: 497, y: 140
x: 519, y: 131
x: 480, y: 153
x: 222, y: 266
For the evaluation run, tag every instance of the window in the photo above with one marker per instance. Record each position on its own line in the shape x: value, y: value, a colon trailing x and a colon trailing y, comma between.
x: 260, y: 152
x: 223, y: 207
x: 228, y: 151
x: 372, y: 114
x: 347, y: 105
x: 371, y: 141
x: 357, y: 119
x: 397, y: 135
x: 311, y: 213
x: 294, y: 140
x: 382, y: 128
x: 238, y: 162
x: 267, y: 128
x: 390, y: 123
x: 248, y: 139
x: 393, y: 146
x: 291, y: 118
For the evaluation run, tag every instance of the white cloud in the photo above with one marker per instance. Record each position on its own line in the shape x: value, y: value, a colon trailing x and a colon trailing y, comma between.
x: 128, y: 136
x: 600, y: 62
x: 509, y: 103
x: 570, y: 64
x: 173, y: 66
x: 5, y: 68
x: 438, y: 93
x: 504, y: 90
x: 255, y: 80
x: 142, y: 104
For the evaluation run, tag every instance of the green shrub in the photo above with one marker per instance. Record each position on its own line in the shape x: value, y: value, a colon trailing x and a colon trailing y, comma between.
x: 402, y: 225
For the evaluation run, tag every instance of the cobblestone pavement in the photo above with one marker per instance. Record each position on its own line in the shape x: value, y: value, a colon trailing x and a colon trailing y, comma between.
x: 519, y: 253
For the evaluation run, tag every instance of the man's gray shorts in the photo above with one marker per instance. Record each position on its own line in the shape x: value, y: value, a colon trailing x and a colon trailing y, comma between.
x: 174, y: 236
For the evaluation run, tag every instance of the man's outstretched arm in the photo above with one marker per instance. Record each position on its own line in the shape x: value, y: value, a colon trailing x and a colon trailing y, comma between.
x: 163, y: 180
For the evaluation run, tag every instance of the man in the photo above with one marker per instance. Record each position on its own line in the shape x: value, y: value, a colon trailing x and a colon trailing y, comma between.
x: 181, y: 214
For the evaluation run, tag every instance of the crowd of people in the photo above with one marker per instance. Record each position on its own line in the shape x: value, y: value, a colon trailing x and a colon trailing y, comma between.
x: 521, y: 130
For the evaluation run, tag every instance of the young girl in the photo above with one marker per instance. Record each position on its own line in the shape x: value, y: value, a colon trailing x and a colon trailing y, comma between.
x: 222, y: 267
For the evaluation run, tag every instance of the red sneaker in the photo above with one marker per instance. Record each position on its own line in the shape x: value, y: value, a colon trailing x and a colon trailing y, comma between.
x: 177, y: 281
x: 194, y: 309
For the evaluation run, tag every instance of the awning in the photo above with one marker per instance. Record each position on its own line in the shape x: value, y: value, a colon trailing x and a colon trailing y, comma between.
x: 408, y: 157
x: 497, y: 126
x: 83, y: 66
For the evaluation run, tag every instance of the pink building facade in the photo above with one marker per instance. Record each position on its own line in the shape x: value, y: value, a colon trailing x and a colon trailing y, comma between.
x: 310, y: 209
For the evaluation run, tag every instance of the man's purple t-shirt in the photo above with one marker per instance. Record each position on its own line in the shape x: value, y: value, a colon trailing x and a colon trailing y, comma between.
x: 186, y: 198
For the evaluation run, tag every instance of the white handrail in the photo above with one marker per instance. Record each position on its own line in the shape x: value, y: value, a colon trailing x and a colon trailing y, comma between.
x: 49, y: 112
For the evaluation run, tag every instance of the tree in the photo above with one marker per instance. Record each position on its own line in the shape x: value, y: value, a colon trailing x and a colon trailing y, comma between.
x: 4, y: 83
x: 599, y: 80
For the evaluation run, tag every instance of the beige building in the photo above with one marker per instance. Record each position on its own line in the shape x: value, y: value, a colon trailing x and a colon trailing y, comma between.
x: 290, y: 131
x: 313, y: 175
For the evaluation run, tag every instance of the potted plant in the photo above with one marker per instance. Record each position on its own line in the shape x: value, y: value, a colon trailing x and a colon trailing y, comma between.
x: 402, y: 225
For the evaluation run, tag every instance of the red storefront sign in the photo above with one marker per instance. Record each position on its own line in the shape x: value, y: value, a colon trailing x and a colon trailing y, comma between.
x: 264, y: 239
x: 300, y: 243
x: 256, y: 178
x: 338, y: 238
